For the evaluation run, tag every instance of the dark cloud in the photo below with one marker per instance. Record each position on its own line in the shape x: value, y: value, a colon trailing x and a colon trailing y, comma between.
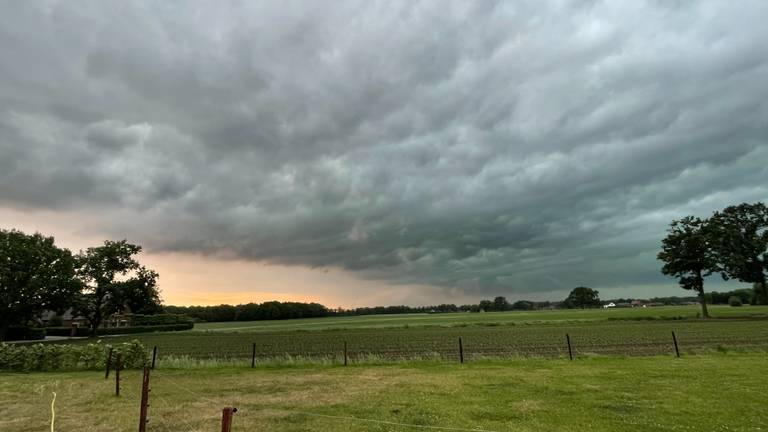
x: 487, y: 147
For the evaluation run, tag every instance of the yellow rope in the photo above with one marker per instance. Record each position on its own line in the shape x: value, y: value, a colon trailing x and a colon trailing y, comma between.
x: 53, y: 411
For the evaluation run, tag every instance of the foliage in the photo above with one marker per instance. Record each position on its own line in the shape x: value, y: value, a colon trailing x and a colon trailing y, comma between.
x: 20, y: 332
x: 741, y: 242
x: 35, y: 275
x: 115, y: 281
x: 159, y: 319
x: 522, y: 305
x: 81, y: 331
x: 47, y: 357
x: 582, y: 297
x: 734, y: 301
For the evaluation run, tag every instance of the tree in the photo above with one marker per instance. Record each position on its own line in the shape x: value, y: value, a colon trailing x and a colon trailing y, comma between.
x: 687, y: 254
x: 114, y: 281
x: 582, y: 297
x: 741, y: 244
x: 522, y: 305
x: 501, y: 304
x: 35, y: 275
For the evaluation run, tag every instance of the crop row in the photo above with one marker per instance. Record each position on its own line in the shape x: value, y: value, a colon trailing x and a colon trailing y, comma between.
x: 617, y: 338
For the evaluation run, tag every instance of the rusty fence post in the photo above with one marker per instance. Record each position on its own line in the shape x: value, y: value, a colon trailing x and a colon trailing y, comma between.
x: 253, y: 355
x: 109, y: 363
x: 154, y: 356
x: 144, y: 401
x: 118, y: 365
x: 345, y: 353
x: 568, y: 340
x: 226, y: 419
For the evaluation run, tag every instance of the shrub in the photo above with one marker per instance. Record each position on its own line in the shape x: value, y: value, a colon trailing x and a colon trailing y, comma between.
x: 63, y: 357
x: 18, y: 332
x: 84, y: 331
x: 734, y: 301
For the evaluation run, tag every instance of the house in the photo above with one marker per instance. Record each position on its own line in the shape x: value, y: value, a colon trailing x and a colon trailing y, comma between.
x: 67, y: 319
x: 638, y: 303
x: 609, y: 305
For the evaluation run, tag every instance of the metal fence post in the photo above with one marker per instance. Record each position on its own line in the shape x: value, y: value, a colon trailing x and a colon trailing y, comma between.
x: 144, y: 401
x: 570, y: 352
x: 674, y: 339
x: 461, y: 351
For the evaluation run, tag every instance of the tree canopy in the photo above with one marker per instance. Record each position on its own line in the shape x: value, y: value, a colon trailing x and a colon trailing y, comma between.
x: 582, y: 297
x: 740, y: 239
x: 115, y: 282
x: 35, y: 275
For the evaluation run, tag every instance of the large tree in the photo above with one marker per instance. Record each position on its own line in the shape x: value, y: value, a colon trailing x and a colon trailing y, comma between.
x: 688, y: 255
x: 35, y: 275
x: 582, y: 297
x: 741, y: 243
x: 115, y: 281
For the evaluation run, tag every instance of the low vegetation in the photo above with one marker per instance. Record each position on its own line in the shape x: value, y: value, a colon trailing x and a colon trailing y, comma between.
x: 597, y: 394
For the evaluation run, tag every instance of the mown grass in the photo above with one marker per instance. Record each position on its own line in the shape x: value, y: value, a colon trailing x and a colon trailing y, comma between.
x: 468, y: 319
x: 714, y: 391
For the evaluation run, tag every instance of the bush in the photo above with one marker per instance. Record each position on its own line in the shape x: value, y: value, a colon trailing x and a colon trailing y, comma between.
x: 734, y: 301
x: 18, y: 332
x: 62, y: 357
x: 159, y: 319
x: 84, y: 331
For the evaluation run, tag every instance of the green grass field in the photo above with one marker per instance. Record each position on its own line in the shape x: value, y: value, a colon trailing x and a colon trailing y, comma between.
x: 716, y: 391
x: 452, y: 319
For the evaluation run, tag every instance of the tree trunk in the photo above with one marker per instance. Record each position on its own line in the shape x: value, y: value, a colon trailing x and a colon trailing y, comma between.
x: 764, y: 286
x: 702, y: 299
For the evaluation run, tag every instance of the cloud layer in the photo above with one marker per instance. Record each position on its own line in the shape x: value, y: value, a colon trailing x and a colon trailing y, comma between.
x: 480, y: 146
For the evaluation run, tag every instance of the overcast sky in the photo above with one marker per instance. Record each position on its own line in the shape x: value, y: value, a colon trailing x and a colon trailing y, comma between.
x: 387, y: 152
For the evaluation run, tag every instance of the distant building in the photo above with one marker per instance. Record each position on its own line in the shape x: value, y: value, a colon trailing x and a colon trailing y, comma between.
x: 638, y: 303
x: 609, y: 305
x: 67, y: 319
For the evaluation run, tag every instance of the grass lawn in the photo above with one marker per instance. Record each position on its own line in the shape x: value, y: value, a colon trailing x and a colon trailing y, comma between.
x: 715, y: 391
x: 452, y: 319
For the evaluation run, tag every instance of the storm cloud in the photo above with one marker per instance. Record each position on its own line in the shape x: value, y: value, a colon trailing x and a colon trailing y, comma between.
x: 489, y: 147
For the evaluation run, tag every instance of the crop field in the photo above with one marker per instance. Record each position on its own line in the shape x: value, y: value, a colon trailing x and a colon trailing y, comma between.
x: 454, y: 319
x: 514, y: 335
x: 714, y: 391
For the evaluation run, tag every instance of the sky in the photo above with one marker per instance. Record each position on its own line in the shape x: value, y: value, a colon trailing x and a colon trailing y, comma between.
x: 358, y: 153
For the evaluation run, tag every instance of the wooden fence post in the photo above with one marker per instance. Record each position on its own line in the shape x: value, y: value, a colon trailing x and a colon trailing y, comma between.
x: 109, y: 363
x: 144, y: 401
x: 461, y: 351
x: 253, y: 355
x: 226, y: 419
x: 674, y: 339
x: 118, y: 365
x: 154, y: 356
x: 570, y: 352
x: 345, y: 353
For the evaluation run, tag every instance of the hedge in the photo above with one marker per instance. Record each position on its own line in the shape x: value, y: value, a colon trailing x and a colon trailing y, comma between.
x: 65, y: 357
x: 17, y: 332
x: 84, y: 331
x: 159, y: 319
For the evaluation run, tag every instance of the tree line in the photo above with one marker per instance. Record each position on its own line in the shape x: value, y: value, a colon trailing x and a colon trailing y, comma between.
x: 38, y: 276
x: 732, y: 242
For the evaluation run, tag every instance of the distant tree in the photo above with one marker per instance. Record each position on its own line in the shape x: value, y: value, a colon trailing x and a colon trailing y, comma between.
x: 501, y: 304
x: 35, y: 275
x: 486, y: 305
x: 522, y: 305
x: 741, y: 242
x: 582, y: 297
x: 114, y: 280
x: 687, y: 254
